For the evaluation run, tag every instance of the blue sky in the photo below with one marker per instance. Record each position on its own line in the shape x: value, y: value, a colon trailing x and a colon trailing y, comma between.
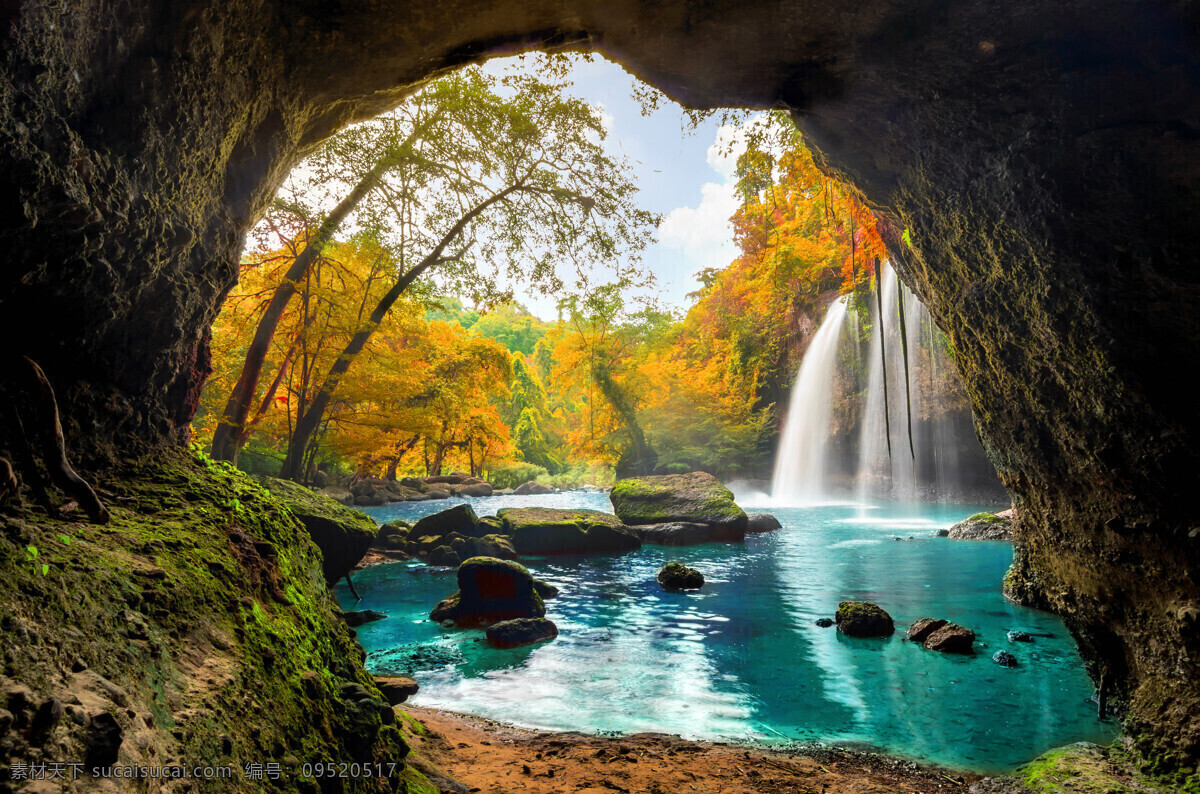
x: 679, y: 171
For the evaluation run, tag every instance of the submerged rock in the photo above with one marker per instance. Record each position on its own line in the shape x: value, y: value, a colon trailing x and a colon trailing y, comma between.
x: 681, y: 533
x: 355, y: 619
x: 762, y: 522
x: 824, y: 622
x: 920, y: 630
x: 677, y: 576
x: 982, y: 526
x: 1017, y: 635
x: 863, y: 619
x: 1004, y: 659
x: 696, y: 498
x: 343, y: 535
x: 521, y: 631
x: 489, y: 590
x: 951, y: 638
x: 396, y: 688
x: 537, y: 530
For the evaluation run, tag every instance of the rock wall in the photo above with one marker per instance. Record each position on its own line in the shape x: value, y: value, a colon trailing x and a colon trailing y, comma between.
x: 1044, y: 157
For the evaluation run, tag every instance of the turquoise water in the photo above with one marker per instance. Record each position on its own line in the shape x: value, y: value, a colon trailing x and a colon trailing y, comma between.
x: 742, y: 659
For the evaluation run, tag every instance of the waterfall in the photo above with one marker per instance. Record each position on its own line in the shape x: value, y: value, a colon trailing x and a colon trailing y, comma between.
x: 806, y: 467
x: 800, y: 463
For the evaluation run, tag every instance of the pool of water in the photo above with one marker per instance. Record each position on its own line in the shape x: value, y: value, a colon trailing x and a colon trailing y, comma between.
x: 742, y: 660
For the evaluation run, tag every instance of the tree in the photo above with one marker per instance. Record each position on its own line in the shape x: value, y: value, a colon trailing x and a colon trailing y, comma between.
x: 516, y: 181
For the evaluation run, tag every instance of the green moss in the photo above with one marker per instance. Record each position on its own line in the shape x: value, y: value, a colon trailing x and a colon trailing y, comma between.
x: 1090, y: 768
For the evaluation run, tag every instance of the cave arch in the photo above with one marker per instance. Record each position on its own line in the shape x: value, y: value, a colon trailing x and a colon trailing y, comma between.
x: 1044, y: 159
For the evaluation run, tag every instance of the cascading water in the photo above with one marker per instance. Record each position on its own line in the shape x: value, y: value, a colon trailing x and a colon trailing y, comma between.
x: 927, y: 466
x: 800, y: 465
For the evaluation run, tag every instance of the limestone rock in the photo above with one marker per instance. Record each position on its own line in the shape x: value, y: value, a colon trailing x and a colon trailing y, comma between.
x: 490, y: 590
x: 343, y: 535
x: 982, y: 526
x: 539, y: 530
x: 677, y: 576
x: 697, y: 498
x: 863, y: 619
x: 521, y: 631
x: 681, y: 533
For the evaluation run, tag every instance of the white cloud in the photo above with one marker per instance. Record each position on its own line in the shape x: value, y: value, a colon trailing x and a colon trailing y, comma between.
x: 703, y: 233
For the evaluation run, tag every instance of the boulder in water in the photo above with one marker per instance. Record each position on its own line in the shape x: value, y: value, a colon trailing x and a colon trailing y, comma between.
x: 355, y: 619
x: 490, y: 590
x: 696, y: 498
x: 824, y: 622
x: 982, y: 526
x: 444, y: 556
x: 761, y: 522
x: 681, y: 533
x: 677, y: 576
x: 531, y: 488
x: 498, y: 546
x: 863, y: 619
x: 1016, y: 635
x: 538, y: 530
x: 1004, y: 659
x: 951, y: 638
x: 921, y: 629
x: 343, y: 535
x: 460, y: 519
x: 545, y: 589
x: 520, y: 631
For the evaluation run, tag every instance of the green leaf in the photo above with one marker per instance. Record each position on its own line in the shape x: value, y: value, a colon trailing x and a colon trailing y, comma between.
x: 65, y: 539
x: 907, y: 238
x: 45, y: 569
x: 32, y: 551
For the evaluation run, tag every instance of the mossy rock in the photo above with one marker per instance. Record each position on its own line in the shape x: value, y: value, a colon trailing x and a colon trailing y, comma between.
x: 459, y: 519
x: 520, y: 631
x: 489, y: 590
x: 539, y: 530
x: 696, y: 498
x: 863, y: 619
x: 982, y: 526
x: 677, y: 576
x: 343, y: 535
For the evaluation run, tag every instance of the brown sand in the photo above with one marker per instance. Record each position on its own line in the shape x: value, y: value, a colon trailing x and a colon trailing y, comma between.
x: 493, y: 758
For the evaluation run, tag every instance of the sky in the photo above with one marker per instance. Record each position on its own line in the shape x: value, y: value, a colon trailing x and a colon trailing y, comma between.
x: 681, y: 174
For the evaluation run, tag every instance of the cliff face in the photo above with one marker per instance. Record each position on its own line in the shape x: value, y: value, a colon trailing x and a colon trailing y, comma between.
x: 1045, y: 158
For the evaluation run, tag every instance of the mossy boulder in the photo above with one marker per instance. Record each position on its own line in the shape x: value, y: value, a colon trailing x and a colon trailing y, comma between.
x: 677, y: 576
x: 343, y: 535
x: 521, y: 631
x: 982, y: 526
x: 489, y: 590
x: 539, y: 530
x: 696, y: 498
x: 863, y: 619
x: 499, y: 546
x: 681, y: 533
x: 460, y: 519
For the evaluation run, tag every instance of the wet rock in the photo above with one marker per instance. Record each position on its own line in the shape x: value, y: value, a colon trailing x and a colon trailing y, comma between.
x: 343, y: 535
x: 677, y: 576
x: 920, y: 630
x: 444, y: 556
x: 102, y: 740
x: 460, y: 519
x: 489, y: 590
x: 396, y: 688
x: 521, y: 631
x: 544, y: 531
x: 761, y: 522
x: 951, y: 638
x: 476, y: 489
x: 545, y: 589
x: 824, y: 622
x: 498, y: 546
x: 355, y: 619
x: 696, y: 498
x: 531, y: 488
x: 1016, y: 635
x: 363, y: 715
x: 680, y: 533
x: 863, y: 619
x: 982, y: 526
x: 1004, y: 659
x: 435, y: 493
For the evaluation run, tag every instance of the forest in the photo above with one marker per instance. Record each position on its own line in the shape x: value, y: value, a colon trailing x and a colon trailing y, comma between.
x: 377, y: 326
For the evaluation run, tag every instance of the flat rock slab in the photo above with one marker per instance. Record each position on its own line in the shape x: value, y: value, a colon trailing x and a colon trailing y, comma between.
x: 537, y: 530
x: 681, y: 533
x: 696, y: 498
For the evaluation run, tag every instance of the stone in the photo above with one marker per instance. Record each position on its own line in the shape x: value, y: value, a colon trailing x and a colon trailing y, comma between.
x: 681, y: 533
x: 321, y: 479
x: 545, y: 589
x: 454, y: 478
x: 476, y: 489
x: 460, y: 519
x: 762, y: 522
x: 537, y: 530
x: 950, y: 638
x: 677, y: 576
x: 499, y: 546
x: 490, y: 590
x: 343, y: 535
x: 1004, y: 659
x: 531, y: 488
x: 444, y: 556
x: 396, y: 688
x: 863, y: 619
x: 337, y: 494
x: 520, y: 631
x: 371, y: 500
x: 434, y: 493
x: 413, y: 483
x: 981, y: 526
x: 355, y: 619
x: 1016, y: 635
x: 6, y: 721
x: 696, y: 498
x: 102, y: 741
x: 824, y: 622
x: 44, y: 719
x: 921, y: 629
